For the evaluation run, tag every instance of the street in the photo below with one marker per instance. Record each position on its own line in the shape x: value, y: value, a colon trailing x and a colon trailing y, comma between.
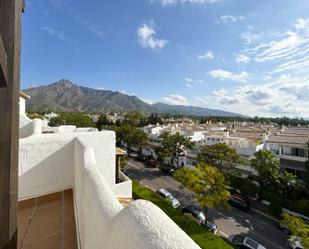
x: 229, y: 221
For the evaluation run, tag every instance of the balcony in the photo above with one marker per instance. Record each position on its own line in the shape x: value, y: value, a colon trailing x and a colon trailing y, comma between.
x: 91, y: 214
x: 293, y: 158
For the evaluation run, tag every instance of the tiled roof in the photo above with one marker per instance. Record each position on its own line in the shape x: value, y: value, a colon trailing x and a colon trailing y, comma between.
x: 296, y: 130
x: 251, y: 135
x: 290, y: 139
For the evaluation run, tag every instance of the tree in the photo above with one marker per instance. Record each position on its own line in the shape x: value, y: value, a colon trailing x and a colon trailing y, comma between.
x: 173, y: 146
x: 298, y: 227
x: 131, y: 136
x: 207, y: 184
x: 267, y: 165
x: 219, y: 155
x: 154, y: 119
x: 134, y: 118
x: 287, y: 181
x: 102, y: 121
x: 72, y: 118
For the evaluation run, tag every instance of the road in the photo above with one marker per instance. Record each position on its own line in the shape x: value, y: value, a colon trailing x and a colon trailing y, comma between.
x: 229, y: 221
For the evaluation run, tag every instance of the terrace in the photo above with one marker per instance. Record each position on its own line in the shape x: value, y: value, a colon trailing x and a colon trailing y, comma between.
x: 71, y: 195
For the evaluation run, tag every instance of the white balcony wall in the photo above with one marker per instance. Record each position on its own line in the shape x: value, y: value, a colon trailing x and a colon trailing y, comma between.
x: 46, y: 162
x: 103, y: 223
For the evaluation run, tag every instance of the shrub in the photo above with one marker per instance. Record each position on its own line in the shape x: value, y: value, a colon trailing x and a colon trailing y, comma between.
x: 275, y: 209
x: 300, y: 206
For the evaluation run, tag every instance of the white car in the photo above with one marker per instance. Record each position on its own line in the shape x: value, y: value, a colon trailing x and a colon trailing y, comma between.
x: 133, y: 154
x: 167, y: 195
x: 244, y: 242
x: 294, y: 242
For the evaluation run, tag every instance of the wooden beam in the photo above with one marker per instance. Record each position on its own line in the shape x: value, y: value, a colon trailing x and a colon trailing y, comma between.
x: 3, y: 65
x: 10, y: 30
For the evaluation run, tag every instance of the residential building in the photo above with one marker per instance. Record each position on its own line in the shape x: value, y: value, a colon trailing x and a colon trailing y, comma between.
x: 291, y: 146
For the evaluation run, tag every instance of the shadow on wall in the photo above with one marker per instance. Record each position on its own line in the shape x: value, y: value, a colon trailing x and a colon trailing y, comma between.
x: 41, y: 173
x: 26, y: 130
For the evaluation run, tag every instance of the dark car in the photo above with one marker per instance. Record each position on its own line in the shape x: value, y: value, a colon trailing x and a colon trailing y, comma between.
x: 167, y: 169
x: 283, y: 228
x: 152, y: 163
x: 201, y: 218
x: 239, y: 202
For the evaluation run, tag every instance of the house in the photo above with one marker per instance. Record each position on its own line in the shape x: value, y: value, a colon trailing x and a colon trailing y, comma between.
x: 291, y: 146
x: 22, y: 102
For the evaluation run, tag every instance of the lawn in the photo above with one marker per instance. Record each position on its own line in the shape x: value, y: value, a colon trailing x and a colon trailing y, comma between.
x: 199, y: 234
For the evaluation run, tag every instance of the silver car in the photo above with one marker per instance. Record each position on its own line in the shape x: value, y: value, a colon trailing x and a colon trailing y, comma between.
x: 244, y: 242
x: 167, y: 195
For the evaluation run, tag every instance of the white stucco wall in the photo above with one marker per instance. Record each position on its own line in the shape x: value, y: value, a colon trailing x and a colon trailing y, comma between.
x: 103, y: 223
x: 49, y: 157
x: 22, y: 106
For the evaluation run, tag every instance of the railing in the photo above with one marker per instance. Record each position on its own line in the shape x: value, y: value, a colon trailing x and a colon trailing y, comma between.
x: 293, y: 158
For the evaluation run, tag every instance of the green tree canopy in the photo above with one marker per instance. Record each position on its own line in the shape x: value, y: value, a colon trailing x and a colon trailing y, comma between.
x: 267, y: 165
x: 298, y: 227
x: 207, y: 184
x: 134, y: 118
x: 72, y: 118
x: 219, y: 155
x: 131, y: 136
x: 173, y: 145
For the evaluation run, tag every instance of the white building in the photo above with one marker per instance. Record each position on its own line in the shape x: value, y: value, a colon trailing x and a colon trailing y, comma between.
x: 54, y: 159
x: 291, y: 146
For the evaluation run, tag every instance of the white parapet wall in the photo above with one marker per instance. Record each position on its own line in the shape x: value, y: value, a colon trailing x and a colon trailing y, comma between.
x: 46, y: 162
x: 103, y: 223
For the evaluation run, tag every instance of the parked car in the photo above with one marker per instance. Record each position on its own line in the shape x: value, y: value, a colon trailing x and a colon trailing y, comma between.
x: 239, y: 201
x: 167, y: 195
x: 152, y: 163
x: 244, y: 242
x: 294, y: 242
x: 167, y: 169
x: 133, y: 154
x: 283, y: 228
x: 201, y: 218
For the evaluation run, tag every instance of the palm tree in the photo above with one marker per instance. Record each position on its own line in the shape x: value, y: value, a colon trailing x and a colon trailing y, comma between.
x: 267, y: 165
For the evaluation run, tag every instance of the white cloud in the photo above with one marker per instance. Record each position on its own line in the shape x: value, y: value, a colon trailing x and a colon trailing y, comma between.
x: 230, y: 18
x: 226, y: 75
x: 146, y: 37
x: 148, y: 101
x: 288, y: 52
x: 168, y: 3
x: 99, y: 88
x: 280, y: 96
x: 189, y: 82
x: 60, y: 35
x: 207, y: 55
x: 175, y: 99
x: 241, y: 58
x: 250, y: 37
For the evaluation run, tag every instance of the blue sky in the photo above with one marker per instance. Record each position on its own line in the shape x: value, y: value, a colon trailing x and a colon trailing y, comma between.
x: 245, y: 56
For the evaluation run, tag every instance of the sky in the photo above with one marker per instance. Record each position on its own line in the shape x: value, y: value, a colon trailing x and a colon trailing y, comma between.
x: 244, y: 56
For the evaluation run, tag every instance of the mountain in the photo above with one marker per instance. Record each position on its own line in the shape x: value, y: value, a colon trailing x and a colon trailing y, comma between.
x: 63, y: 95
x: 192, y: 110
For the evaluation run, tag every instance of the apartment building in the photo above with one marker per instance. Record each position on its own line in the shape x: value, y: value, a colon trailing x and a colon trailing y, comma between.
x: 291, y: 146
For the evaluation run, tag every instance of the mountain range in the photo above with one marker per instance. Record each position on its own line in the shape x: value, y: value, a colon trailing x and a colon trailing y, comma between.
x: 63, y: 95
